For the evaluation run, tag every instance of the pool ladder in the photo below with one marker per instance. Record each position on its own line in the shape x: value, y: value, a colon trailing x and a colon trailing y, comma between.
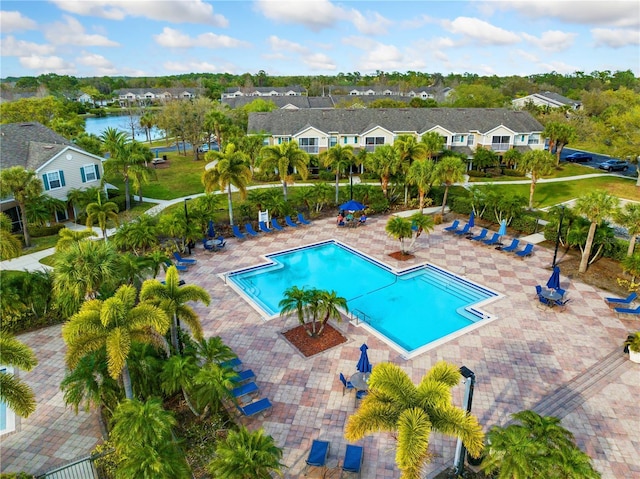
x: 360, y: 316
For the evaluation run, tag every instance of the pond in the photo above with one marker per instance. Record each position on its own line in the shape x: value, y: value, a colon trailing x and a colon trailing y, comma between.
x: 120, y: 122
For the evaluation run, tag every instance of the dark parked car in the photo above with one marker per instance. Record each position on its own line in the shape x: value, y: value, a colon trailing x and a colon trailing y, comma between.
x: 579, y: 157
x: 614, y: 165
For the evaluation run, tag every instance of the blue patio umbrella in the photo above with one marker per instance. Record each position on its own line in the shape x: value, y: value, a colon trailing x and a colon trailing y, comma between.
x: 364, y: 366
x: 503, y: 228
x: 352, y: 205
x: 211, y: 232
x: 472, y: 219
x: 554, y: 280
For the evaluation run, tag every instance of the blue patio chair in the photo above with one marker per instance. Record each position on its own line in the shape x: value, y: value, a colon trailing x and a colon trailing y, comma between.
x: 290, y: 222
x: 453, y: 227
x: 264, y: 228
x: 361, y: 394
x: 275, y: 225
x: 261, y: 405
x: 244, y: 390
x: 245, y: 375
x: 621, y: 302
x: 493, y: 240
x: 221, y: 242
x: 303, y: 220
x: 561, y: 291
x: 182, y: 260
x: 237, y: 233
x: 528, y: 249
x: 629, y: 311
x: 481, y: 236
x: 346, y: 385
x: 317, y: 455
x: 562, y: 304
x: 545, y: 302
x: 538, y: 290
x: 250, y: 229
x: 353, y: 458
x: 179, y: 266
x: 234, y: 364
x: 464, y: 230
x: 208, y: 246
x: 513, y: 246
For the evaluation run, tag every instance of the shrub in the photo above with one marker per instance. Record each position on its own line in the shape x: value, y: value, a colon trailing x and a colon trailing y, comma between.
x: 461, y: 205
x: 437, y: 219
x: 326, y: 175
x: 476, y: 174
x: 524, y: 224
x: 41, y: 231
x: 510, y: 172
x: 16, y: 475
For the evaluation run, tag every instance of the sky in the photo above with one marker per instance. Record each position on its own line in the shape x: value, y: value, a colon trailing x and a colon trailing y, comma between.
x: 87, y: 38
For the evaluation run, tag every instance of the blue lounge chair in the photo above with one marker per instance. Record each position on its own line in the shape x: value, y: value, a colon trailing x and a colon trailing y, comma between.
x: 318, y: 454
x: 621, y: 302
x: 256, y: 407
x: 526, y: 251
x: 182, y: 260
x: 244, y: 390
x: 275, y: 225
x: 512, y: 247
x: 179, y: 266
x: 237, y: 233
x: 245, y: 375
x: 481, y: 236
x: 464, y: 230
x: 302, y: 219
x: 250, y: 229
x: 290, y: 222
x: 353, y: 457
x: 453, y: 227
x: 493, y: 240
x: 346, y: 385
x: 634, y: 312
x: 264, y: 228
x: 234, y: 364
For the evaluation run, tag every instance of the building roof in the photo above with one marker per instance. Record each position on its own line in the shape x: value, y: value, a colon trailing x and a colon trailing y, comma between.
x: 266, y: 89
x: 282, y: 101
x: 552, y: 97
x: 419, y: 120
x: 29, y: 145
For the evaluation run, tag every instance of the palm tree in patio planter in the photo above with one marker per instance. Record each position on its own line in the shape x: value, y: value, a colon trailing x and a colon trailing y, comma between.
x: 314, y: 307
x: 395, y: 405
x: 405, y: 228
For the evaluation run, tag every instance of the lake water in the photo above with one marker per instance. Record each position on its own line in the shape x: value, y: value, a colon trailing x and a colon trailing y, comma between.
x: 119, y: 122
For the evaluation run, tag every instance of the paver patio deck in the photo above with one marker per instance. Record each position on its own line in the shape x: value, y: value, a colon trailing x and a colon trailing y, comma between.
x: 518, y: 359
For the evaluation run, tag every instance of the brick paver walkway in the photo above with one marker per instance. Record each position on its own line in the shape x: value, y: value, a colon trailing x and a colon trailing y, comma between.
x: 523, y: 356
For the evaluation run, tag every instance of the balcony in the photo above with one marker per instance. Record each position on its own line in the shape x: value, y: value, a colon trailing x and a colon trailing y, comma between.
x: 310, y: 149
x: 500, y: 146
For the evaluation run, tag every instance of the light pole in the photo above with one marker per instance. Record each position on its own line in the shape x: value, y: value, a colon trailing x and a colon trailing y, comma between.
x: 186, y: 221
x: 555, y: 252
x: 469, y: 381
x: 350, y: 183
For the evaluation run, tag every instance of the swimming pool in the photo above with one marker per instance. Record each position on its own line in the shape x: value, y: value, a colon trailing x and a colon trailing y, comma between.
x: 413, y: 310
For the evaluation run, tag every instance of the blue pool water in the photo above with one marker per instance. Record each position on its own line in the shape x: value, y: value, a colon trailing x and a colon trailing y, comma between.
x: 411, y: 309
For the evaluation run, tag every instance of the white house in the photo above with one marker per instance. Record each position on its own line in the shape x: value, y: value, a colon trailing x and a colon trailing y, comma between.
x: 548, y: 99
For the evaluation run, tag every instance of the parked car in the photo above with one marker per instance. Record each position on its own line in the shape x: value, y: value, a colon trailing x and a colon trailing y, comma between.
x: 614, y: 165
x: 579, y: 157
x: 205, y: 147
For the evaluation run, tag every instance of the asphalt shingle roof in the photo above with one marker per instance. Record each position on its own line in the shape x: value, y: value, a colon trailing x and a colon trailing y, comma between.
x: 29, y: 145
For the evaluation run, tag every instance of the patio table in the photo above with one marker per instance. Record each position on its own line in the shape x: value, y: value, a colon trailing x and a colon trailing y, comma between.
x: 551, y: 294
x: 360, y: 381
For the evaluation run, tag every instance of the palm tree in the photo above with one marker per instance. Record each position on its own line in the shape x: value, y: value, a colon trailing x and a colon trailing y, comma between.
x: 283, y: 157
x: 147, y: 121
x: 230, y: 170
x: 449, y: 170
x: 10, y: 244
x: 139, y: 236
x: 143, y: 440
x: 409, y: 150
x: 14, y: 392
x: 412, y: 413
x: 595, y: 206
x: 211, y: 385
x: 101, y: 213
x: 173, y: 298
x: 433, y: 142
x: 246, y: 455
x: 400, y: 229
x: 384, y: 162
x: 124, y: 155
x: 69, y: 237
x: 177, y: 375
x: 420, y: 174
x: 213, y: 350
x: 295, y: 299
x: 338, y: 158
x: 629, y: 217
x: 328, y: 307
x: 114, y: 323
x: 24, y: 186
x: 538, y: 163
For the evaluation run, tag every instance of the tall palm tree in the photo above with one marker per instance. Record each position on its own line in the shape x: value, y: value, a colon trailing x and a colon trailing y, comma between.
x: 24, y: 186
x: 69, y: 237
x: 10, y: 244
x: 246, y: 455
x: 433, y: 142
x: 412, y: 413
x: 409, y: 150
x: 211, y: 385
x: 338, y: 158
x: 420, y: 174
x: 173, y: 298
x: 114, y: 323
x: 177, y: 375
x: 283, y: 157
x: 329, y: 307
x: 230, y: 170
x: 124, y: 155
x: 595, y: 206
x: 384, y: 162
x: 139, y: 236
x: 14, y: 392
x: 147, y: 121
x: 629, y: 217
x: 449, y: 170
x: 294, y: 299
x: 102, y: 213
x: 538, y: 163
x: 399, y: 228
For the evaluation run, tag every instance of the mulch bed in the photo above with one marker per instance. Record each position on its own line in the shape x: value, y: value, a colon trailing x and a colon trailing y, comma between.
x: 400, y: 256
x: 309, y: 346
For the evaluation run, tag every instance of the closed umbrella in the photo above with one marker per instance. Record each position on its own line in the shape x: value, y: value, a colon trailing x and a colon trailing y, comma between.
x: 211, y: 232
x: 352, y: 205
x: 554, y: 280
x: 503, y: 228
x: 472, y: 219
x: 364, y: 366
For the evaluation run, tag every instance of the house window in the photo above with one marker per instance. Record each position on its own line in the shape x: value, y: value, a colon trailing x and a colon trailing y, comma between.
x: 90, y: 173
x: 500, y: 143
x: 372, y: 142
x: 470, y: 140
x: 286, y: 139
x: 310, y: 145
x: 62, y: 216
x: 344, y: 140
x: 333, y: 141
x: 53, y: 180
x: 534, y: 139
x: 458, y: 139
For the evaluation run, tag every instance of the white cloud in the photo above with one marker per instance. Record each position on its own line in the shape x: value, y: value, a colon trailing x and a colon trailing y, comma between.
x: 72, y: 33
x: 552, y: 41
x: 99, y: 65
x: 19, y: 48
x: 559, y: 67
x: 280, y: 45
x: 197, y: 66
x: 172, y: 38
x: 316, y: 14
x: 480, y: 31
x: 380, y: 56
x: 14, y: 22
x: 526, y: 55
x: 42, y: 64
x: 418, y: 22
x: 319, y: 61
x: 372, y: 24
x: 174, y: 11
x: 617, y: 38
